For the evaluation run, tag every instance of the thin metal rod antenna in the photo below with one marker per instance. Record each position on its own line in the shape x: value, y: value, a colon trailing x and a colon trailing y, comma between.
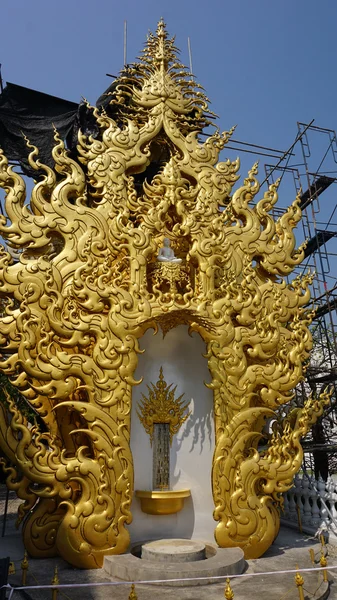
x: 190, y: 55
x: 125, y: 40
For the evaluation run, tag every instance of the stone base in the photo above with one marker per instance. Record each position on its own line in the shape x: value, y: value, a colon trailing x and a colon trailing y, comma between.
x: 218, y: 562
x: 176, y: 550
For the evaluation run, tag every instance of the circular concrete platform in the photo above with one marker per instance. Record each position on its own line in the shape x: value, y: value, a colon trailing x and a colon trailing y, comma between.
x: 217, y: 562
x: 175, y: 550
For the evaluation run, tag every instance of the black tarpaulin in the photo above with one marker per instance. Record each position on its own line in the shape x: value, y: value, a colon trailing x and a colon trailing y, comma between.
x: 33, y: 114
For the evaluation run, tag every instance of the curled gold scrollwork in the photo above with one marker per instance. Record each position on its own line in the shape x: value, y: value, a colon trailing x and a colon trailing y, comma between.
x: 248, y: 483
x: 81, y: 286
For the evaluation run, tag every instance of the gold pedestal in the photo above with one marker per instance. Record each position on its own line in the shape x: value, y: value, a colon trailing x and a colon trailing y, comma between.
x: 160, y: 502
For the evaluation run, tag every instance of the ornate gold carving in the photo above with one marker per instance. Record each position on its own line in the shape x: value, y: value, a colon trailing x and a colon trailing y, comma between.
x: 162, y: 407
x: 260, y: 476
x: 80, y: 295
x: 170, y: 278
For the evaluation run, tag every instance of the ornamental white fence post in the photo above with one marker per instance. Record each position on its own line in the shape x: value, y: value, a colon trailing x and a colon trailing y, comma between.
x: 317, y: 503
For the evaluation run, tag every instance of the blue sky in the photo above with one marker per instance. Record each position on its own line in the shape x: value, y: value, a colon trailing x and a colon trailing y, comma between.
x: 264, y: 64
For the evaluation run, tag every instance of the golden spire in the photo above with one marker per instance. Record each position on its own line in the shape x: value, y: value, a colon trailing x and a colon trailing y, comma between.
x: 162, y: 53
x: 159, y: 78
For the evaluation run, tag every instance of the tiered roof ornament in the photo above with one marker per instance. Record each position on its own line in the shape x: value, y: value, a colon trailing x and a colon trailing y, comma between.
x: 88, y: 284
x: 160, y: 79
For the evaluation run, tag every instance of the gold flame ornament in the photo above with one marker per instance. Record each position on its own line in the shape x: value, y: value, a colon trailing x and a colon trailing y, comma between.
x: 161, y: 406
x: 87, y: 286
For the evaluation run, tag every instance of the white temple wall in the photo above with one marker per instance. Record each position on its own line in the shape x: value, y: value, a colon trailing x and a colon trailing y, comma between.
x: 181, y: 357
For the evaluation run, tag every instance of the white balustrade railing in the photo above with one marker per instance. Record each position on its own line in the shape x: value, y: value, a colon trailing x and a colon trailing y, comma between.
x: 314, y: 503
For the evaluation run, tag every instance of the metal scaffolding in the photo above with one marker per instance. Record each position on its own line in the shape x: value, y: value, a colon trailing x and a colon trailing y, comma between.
x: 309, y: 170
x: 313, y: 173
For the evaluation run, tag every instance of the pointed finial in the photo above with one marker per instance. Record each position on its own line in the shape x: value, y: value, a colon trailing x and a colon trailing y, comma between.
x: 161, y: 28
x: 55, y: 581
x: 299, y: 583
x: 133, y: 595
x: 324, y: 563
x: 229, y: 594
x: 11, y: 568
x: 161, y: 54
x: 24, y: 568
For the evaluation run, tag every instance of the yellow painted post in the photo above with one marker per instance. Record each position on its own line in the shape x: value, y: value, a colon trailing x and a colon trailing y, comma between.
x: 312, y: 555
x: 133, y: 595
x: 24, y: 568
x: 322, y: 539
x: 324, y: 563
x: 298, y: 510
x: 55, y: 581
x: 229, y: 594
x: 299, y: 582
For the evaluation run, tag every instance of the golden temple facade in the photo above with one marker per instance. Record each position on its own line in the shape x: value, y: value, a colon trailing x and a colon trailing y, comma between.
x: 88, y: 284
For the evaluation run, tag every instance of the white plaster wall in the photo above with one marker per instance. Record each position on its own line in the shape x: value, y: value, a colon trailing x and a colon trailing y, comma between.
x: 192, y: 449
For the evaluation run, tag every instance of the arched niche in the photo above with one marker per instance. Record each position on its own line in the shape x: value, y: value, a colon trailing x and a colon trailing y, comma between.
x: 181, y: 357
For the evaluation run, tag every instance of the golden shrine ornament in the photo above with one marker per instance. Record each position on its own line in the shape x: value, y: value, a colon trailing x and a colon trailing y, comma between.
x: 161, y: 406
x: 88, y: 285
